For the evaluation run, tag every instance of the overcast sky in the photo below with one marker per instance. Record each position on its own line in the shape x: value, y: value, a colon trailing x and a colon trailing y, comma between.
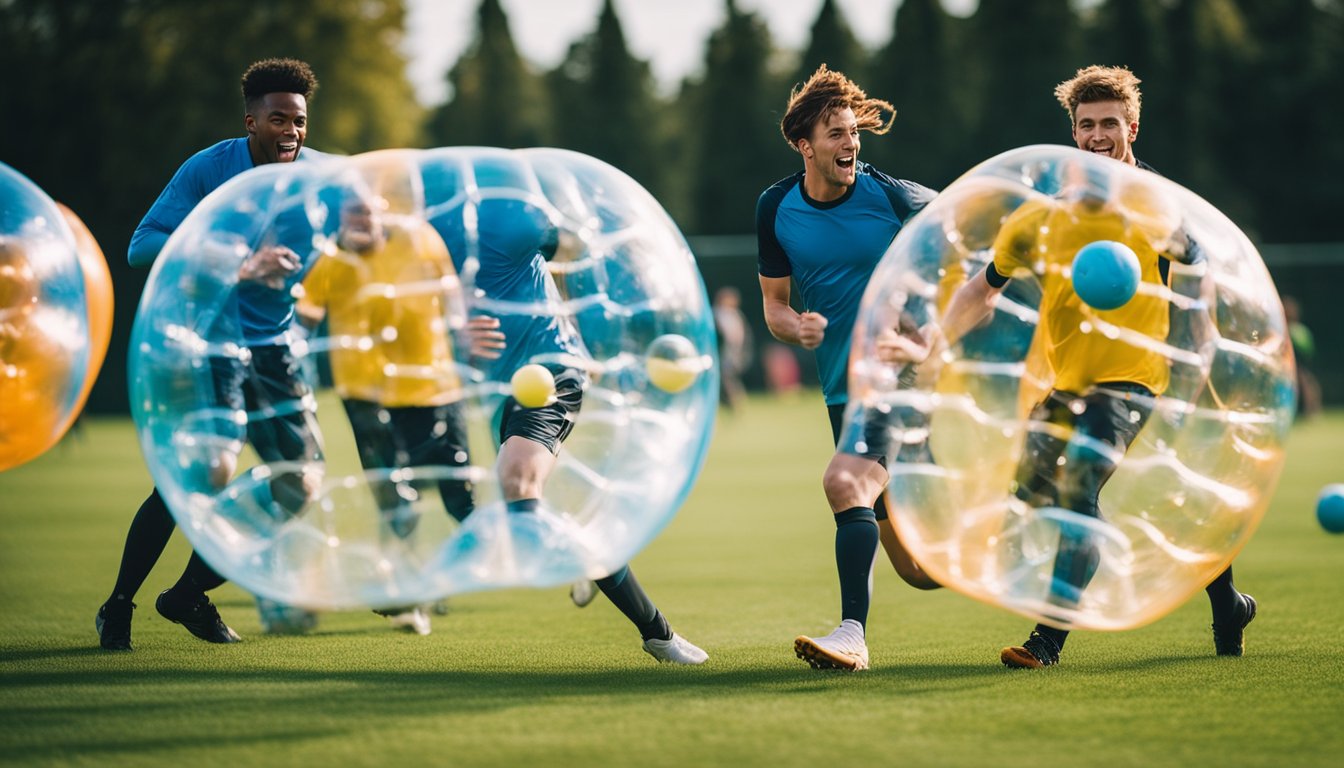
x: 669, y: 34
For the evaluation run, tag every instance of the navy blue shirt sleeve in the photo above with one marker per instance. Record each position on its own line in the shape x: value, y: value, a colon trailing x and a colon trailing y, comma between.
x: 771, y: 260
x: 907, y: 198
x: 183, y: 192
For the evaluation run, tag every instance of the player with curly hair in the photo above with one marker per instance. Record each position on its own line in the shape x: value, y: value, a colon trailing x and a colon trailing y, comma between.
x: 275, y: 97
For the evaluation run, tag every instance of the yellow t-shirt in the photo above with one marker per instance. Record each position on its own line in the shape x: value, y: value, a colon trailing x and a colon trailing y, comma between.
x: 386, y: 309
x: 1041, y: 238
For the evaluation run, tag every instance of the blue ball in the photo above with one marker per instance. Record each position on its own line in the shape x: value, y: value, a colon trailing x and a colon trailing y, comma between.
x: 1330, y: 508
x: 1105, y: 274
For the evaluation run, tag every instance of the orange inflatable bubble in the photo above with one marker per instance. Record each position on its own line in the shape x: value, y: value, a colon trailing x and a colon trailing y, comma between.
x: 98, y: 291
x: 55, y: 320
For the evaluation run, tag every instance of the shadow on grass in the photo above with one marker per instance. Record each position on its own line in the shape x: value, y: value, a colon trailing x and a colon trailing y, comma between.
x: 139, y: 708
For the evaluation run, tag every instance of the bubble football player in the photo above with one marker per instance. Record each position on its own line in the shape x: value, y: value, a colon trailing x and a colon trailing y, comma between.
x: 827, y: 228
x: 515, y: 240
x: 386, y: 282
x: 1103, y: 388
x: 275, y: 97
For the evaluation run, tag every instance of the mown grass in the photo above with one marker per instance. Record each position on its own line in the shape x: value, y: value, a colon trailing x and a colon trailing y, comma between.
x: 522, y: 677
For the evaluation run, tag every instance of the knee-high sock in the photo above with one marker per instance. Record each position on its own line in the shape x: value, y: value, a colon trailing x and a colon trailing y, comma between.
x: 624, y: 591
x: 856, y: 540
x: 197, y: 578
x: 145, y: 541
x: 1224, y: 598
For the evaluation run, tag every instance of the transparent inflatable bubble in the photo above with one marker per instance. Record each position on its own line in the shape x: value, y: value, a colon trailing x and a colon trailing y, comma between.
x: 323, y: 358
x: 1175, y: 405
x: 45, y: 344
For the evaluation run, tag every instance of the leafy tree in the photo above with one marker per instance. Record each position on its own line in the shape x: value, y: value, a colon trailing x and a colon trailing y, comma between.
x: 1023, y: 47
x: 1282, y: 101
x: 120, y: 92
x: 1133, y: 33
x: 832, y: 43
x: 497, y: 100
x: 919, y: 71
x: 1209, y: 41
x: 733, y: 116
x: 609, y: 102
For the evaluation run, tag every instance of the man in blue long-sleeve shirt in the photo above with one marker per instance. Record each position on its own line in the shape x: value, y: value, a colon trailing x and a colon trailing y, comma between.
x: 275, y: 95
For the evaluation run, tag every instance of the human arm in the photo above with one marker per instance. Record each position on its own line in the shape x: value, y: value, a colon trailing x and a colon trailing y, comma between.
x: 806, y: 329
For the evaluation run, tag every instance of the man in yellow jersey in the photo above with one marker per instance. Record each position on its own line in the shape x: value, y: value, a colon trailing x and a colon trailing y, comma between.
x: 1104, y: 387
x: 385, y: 292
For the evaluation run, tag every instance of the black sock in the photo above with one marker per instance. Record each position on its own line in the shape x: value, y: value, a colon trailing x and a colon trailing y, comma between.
x: 197, y: 579
x: 1224, y: 598
x: 1058, y: 635
x: 623, y: 590
x: 856, y: 540
x: 145, y: 541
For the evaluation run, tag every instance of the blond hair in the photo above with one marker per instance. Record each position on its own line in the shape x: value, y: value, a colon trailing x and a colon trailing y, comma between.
x: 1097, y: 83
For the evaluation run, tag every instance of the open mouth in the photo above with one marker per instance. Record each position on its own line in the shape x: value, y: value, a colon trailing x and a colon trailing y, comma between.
x: 846, y: 162
x: 1102, y: 151
x: 287, y: 148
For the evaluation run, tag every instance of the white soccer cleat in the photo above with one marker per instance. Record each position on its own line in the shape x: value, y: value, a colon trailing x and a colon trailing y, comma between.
x: 583, y: 592
x: 412, y: 620
x: 844, y: 648
x: 675, y: 650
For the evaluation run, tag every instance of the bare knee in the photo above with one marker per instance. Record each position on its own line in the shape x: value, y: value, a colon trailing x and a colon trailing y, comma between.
x: 845, y: 489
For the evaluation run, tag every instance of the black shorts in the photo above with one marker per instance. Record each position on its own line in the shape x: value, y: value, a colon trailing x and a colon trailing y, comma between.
x: 390, y: 437
x: 872, y: 439
x: 549, y: 424
x: 409, y: 435
x: 1108, y: 416
x: 281, y: 420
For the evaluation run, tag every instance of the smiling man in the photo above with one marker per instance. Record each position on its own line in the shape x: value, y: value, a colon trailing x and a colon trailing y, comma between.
x: 275, y: 98
x: 1103, y: 105
x: 826, y: 228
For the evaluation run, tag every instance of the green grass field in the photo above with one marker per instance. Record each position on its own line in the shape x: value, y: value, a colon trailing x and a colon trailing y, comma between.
x: 524, y: 678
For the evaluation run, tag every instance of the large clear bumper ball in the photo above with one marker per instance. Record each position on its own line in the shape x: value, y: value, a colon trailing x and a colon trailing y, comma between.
x: 324, y: 366
x: 45, y: 343
x: 1086, y: 467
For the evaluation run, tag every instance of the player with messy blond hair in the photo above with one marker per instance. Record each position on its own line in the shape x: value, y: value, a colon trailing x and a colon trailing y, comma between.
x: 825, y: 229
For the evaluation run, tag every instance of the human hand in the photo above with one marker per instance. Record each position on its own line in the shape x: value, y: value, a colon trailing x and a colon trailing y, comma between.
x: 911, y: 346
x: 811, y: 330
x: 485, y: 337
x: 270, y: 266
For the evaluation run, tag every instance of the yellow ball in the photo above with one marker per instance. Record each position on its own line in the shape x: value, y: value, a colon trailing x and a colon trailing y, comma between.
x: 533, y: 386
x: 673, y: 363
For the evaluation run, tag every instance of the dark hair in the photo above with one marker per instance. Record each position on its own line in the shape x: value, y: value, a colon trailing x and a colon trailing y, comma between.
x: 277, y: 76
x: 825, y: 92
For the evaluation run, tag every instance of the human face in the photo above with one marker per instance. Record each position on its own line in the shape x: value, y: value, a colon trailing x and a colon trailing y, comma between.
x: 830, y: 155
x: 1100, y: 127
x: 361, y: 227
x: 276, y: 128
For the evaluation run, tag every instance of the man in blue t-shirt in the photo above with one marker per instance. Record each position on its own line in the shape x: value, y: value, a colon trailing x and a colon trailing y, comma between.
x: 514, y: 239
x: 826, y: 228
x: 275, y: 96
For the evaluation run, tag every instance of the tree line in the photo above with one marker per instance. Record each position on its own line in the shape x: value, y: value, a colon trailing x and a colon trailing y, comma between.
x: 105, y: 98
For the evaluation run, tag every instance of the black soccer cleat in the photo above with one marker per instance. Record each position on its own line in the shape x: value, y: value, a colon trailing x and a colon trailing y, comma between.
x: 1229, y: 638
x: 200, y: 618
x: 1039, y: 651
x: 114, y: 626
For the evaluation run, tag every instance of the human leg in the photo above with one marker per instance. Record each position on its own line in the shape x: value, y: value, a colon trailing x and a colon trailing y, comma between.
x: 284, y: 432
x: 1232, y: 611
x: 1066, y: 464
x: 852, y: 483
x: 146, y: 539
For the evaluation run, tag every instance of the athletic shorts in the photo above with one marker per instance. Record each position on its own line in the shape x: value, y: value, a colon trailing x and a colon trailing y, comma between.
x: 1111, y: 414
x: 550, y: 424
x: 281, y: 423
